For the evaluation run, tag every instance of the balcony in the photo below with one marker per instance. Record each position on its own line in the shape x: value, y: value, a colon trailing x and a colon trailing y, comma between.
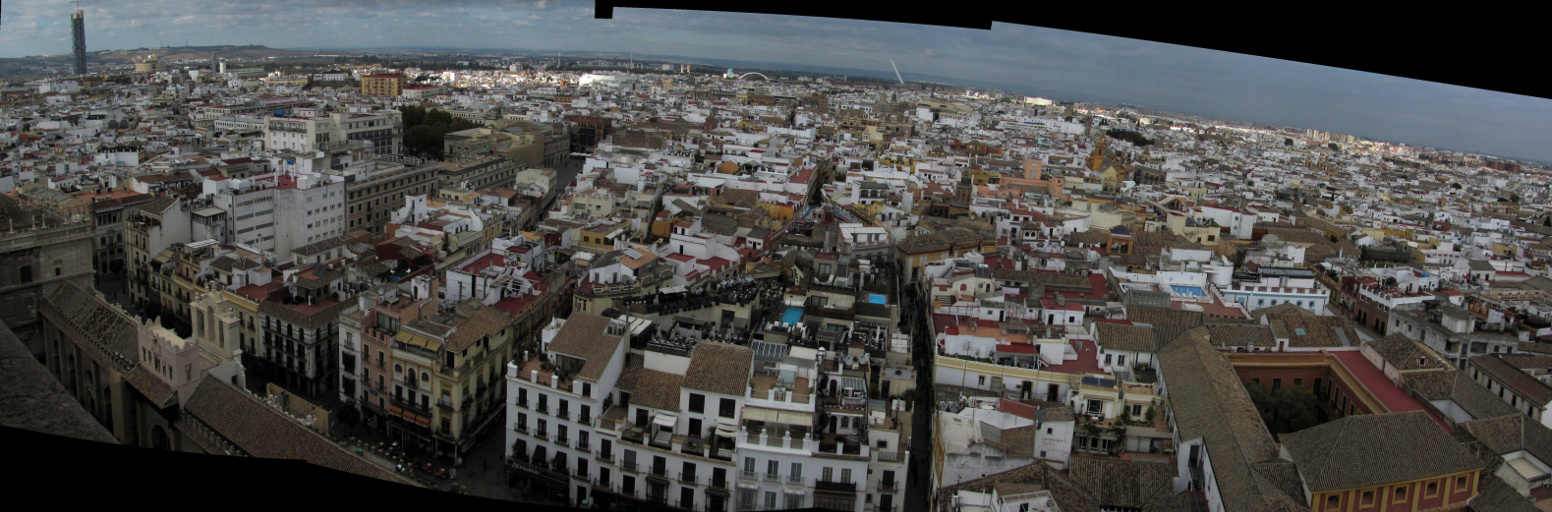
x: 687, y: 478
x: 563, y: 414
x: 836, y: 486
x: 522, y: 403
x: 542, y: 434
x: 584, y: 445
x: 795, y: 479
x: 890, y: 486
x: 659, y: 472
x: 772, y: 478
x: 630, y: 466
x: 749, y: 475
x: 520, y: 428
x: 719, y: 483
x: 543, y: 409
x: 445, y: 404
x: 562, y: 440
x: 603, y: 457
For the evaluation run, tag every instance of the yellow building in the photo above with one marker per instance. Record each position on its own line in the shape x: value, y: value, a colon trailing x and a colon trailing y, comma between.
x: 382, y: 86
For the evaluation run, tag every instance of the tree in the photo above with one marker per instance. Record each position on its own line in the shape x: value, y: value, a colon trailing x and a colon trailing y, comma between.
x: 1286, y: 410
x: 1288, y: 142
x: 1333, y: 146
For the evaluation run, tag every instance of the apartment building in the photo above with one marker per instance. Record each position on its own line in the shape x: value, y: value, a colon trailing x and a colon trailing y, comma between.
x: 148, y: 230
x: 383, y: 129
x: 276, y: 213
x: 382, y: 85
x: 587, y: 355
x: 468, y: 175
x: 374, y: 193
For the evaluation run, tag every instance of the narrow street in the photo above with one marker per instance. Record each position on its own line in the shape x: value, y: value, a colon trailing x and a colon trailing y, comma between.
x: 919, y: 490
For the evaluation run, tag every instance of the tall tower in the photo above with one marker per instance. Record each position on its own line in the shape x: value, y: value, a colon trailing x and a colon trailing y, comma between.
x: 78, y: 29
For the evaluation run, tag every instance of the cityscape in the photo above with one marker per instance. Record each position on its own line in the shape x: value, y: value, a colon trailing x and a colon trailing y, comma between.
x: 619, y: 281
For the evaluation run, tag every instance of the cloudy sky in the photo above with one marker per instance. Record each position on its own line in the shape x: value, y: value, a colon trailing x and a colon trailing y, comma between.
x: 1090, y: 67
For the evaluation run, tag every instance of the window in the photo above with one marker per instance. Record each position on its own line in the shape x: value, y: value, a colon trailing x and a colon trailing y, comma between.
x: 770, y: 500
x: 1401, y: 495
x: 1368, y: 499
x: 749, y: 465
x: 697, y: 403
x: 1298, y: 383
x: 1107, y: 359
x: 773, y: 468
x: 828, y: 475
x: 845, y: 475
x: 982, y: 380
x: 1333, y: 501
x: 1121, y: 359
x: 729, y: 408
x: 797, y: 471
x: 1276, y: 383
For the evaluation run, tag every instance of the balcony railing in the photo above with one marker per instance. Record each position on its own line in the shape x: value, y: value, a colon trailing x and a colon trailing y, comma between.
x: 445, y: 404
x: 584, y: 445
x: 520, y: 428
x: 522, y: 403
x: 630, y: 466
x: 688, y: 478
x: 835, y: 486
x: 749, y: 475
x: 795, y: 479
x: 563, y: 413
x: 542, y: 434
x: 888, y: 486
x: 660, y: 471
x: 543, y: 409
x: 772, y: 478
x: 719, y: 483
x: 562, y: 440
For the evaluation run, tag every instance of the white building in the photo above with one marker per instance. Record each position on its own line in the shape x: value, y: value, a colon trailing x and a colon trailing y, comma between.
x: 384, y: 129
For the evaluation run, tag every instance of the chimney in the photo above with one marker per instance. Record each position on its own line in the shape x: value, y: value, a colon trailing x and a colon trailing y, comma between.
x: 533, y: 376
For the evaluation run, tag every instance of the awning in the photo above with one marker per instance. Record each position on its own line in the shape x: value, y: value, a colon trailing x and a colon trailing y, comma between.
x: 665, y: 420
x: 797, y: 492
x: 409, y: 338
x: 728, y: 431
x: 778, y: 416
x: 751, y: 487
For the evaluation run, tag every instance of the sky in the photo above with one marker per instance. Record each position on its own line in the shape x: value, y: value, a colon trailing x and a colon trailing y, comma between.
x: 1088, y: 67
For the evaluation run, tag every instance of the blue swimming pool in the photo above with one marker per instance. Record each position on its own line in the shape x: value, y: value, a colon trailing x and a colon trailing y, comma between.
x: 1188, y: 290
x: 793, y: 315
x: 876, y: 298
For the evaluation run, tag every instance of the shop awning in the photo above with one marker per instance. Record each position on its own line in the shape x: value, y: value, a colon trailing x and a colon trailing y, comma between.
x: 665, y: 420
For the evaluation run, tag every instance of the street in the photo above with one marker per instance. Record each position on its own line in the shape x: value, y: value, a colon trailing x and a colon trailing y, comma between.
x: 483, y: 473
x: 919, y: 491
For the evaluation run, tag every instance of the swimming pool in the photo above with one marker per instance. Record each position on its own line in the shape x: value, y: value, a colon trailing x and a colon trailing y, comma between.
x: 876, y: 298
x: 793, y: 315
x: 1188, y: 290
